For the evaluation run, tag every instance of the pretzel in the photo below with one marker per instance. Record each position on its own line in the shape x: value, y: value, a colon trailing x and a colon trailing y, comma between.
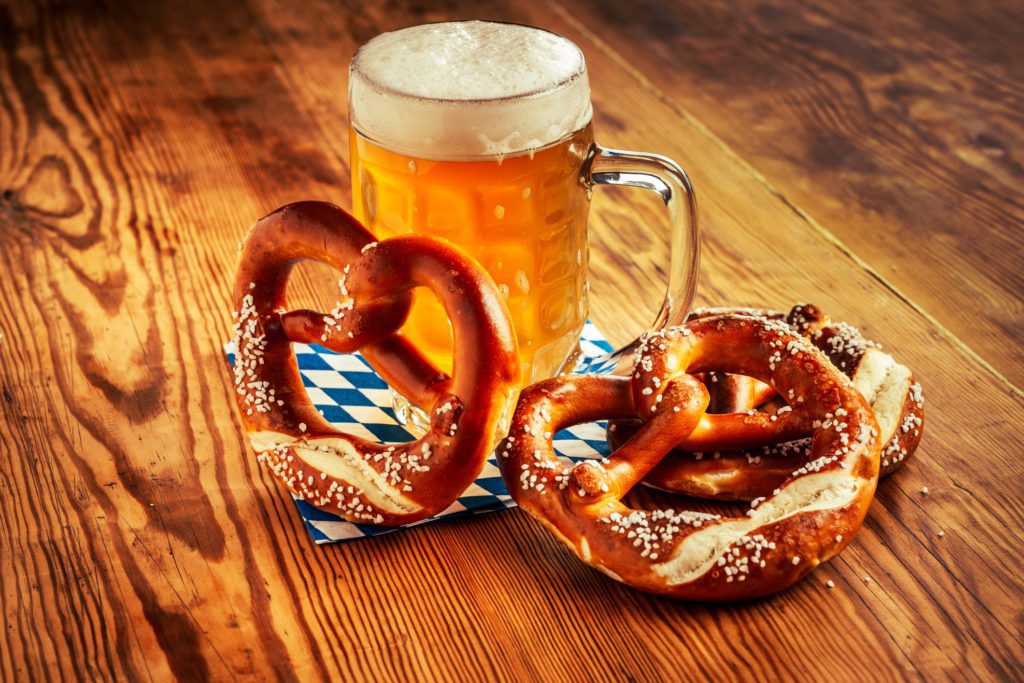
x: 681, y: 553
x: 895, y: 397
x: 362, y: 481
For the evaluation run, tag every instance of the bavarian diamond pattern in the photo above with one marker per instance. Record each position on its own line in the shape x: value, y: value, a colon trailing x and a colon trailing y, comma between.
x: 357, y: 401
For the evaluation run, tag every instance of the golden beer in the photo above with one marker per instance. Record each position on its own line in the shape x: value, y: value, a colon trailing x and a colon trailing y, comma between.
x: 476, y: 132
x: 524, y: 218
x: 480, y: 133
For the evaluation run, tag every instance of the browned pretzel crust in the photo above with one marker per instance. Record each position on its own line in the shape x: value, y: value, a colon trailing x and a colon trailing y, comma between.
x: 812, y: 515
x: 362, y: 481
x: 714, y: 469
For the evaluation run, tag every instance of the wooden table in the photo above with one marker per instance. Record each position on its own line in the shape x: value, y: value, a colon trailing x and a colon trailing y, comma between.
x: 864, y: 156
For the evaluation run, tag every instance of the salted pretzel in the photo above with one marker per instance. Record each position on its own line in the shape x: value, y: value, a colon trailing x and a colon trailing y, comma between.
x: 811, y: 516
x: 712, y: 470
x: 362, y: 481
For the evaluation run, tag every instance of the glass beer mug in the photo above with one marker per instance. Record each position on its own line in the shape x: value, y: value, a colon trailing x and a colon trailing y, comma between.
x: 480, y: 133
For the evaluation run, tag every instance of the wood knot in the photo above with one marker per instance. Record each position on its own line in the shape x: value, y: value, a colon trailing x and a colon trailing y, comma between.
x: 49, y: 190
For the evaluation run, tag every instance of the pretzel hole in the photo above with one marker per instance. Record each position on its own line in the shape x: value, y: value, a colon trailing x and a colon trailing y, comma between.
x: 430, y: 329
x: 314, y: 286
x: 734, y: 393
x: 643, y: 497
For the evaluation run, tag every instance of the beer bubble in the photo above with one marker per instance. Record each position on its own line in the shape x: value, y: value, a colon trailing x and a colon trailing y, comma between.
x: 499, y: 212
x: 522, y: 282
x: 527, y: 191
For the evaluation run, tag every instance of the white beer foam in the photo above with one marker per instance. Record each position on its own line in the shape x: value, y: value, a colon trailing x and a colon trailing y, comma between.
x: 466, y: 90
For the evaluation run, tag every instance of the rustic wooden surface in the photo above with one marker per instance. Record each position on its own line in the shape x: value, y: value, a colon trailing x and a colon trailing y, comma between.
x: 862, y: 156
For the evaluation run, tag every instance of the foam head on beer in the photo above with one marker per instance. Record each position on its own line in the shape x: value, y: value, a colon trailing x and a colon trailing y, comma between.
x: 468, y: 90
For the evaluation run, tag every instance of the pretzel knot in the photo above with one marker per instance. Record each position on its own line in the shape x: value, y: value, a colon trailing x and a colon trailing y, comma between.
x: 709, y: 464
x: 359, y: 480
x: 809, y: 518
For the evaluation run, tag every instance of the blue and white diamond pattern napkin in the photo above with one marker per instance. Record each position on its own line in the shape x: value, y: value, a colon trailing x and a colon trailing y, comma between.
x: 354, y: 399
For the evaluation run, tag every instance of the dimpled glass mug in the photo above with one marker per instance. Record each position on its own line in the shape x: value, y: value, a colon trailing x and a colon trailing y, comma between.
x: 480, y: 133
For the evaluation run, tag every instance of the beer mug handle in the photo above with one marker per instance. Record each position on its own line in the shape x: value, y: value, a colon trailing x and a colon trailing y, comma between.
x: 662, y: 175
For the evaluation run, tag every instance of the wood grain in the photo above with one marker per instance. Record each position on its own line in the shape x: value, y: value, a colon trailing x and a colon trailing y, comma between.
x: 893, y: 126
x: 141, y: 541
